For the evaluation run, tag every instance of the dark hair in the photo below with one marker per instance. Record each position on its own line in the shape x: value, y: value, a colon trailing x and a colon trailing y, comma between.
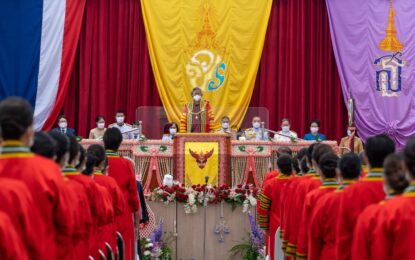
x: 315, y: 121
x: 167, y: 127
x: 81, y: 156
x: 95, y: 155
x: 225, y: 117
x: 303, y: 166
x: 16, y: 116
x: 62, y: 144
x: 194, y: 89
x: 73, y: 148
x: 62, y: 116
x: 296, y: 166
x: 377, y: 148
x: 99, y: 118
x: 350, y: 166
x: 328, y: 165
x: 112, y: 138
x: 119, y: 111
x: 310, y: 150
x: 302, y: 153
x: 362, y: 158
x: 284, y: 150
x: 284, y: 164
x: 320, y: 150
x: 44, y: 145
x: 409, y: 156
x: 285, y: 120
x: 394, y: 173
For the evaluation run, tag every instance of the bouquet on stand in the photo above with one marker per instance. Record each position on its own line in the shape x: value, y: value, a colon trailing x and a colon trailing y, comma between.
x: 156, y: 247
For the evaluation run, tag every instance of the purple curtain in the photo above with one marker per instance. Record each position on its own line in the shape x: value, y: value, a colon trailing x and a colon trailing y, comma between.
x: 373, y: 42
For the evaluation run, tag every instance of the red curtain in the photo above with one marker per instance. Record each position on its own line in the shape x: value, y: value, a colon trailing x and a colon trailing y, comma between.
x: 297, y: 78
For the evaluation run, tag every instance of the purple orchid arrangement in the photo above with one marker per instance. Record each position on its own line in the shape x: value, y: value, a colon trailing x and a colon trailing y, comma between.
x: 256, y: 235
x: 155, y: 247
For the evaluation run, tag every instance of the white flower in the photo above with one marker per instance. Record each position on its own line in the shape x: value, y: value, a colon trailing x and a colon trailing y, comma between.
x: 245, y: 206
x: 148, y: 239
x: 147, y: 252
x: 149, y: 245
x: 252, y: 200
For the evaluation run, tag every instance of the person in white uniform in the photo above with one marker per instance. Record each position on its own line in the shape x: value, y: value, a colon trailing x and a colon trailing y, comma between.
x: 285, y: 134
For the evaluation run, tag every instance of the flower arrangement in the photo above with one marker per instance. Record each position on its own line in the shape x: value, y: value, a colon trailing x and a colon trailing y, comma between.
x: 202, y: 195
x: 255, y: 248
x: 155, y: 248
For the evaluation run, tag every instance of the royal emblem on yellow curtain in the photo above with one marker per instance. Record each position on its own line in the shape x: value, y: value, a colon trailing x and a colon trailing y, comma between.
x: 212, y: 44
x: 201, y: 160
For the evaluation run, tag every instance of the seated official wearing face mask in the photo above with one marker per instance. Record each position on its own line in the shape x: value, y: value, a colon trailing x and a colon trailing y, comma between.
x: 285, y: 135
x: 226, y: 127
x: 124, y: 127
x: 170, y: 131
x: 63, y: 126
x: 256, y: 132
x: 314, y: 135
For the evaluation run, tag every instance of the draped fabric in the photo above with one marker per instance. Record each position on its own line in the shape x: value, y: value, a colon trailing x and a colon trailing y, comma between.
x: 215, y: 45
x: 373, y: 43
x: 297, y: 78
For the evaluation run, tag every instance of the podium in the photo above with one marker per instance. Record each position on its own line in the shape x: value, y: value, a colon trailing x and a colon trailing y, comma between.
x: 201, y: 158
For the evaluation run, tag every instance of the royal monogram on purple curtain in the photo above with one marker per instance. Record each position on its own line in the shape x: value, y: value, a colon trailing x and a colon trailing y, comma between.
x: 374, y: 45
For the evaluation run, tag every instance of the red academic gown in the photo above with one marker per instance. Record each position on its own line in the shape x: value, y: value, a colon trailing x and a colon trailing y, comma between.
x: 269, y: 208
x: 45, y: 182
x: 100, y: 206
x: 288, y: 223
x: 121, y: 169
x: 303, y: 188
x: 323, y: 223
x: 312, y: 200
x: 354, y: 200
x: 17, y: 202
x: 11, y: 244
x: 108, y: 232
x: 365, y: 232
x: 83, y: 217
x: 269, y: 176
x: 395, y: 233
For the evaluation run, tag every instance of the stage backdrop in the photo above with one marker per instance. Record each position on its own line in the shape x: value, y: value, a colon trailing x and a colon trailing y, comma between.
x: 297, y: 77
x: 374, y: 46
x: 212, y: 44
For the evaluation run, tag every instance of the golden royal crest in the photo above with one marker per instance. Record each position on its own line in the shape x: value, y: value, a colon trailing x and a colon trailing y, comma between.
x: 389, y: 67
x: 205, y: 68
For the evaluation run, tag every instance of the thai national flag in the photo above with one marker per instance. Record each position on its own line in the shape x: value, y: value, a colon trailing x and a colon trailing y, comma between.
x: 38, y: 40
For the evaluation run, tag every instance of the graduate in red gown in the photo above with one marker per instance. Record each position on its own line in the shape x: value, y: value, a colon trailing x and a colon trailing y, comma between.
x: 40, y: 175
x: 17, y: 202
x: 324, y: 218
x: 306, y: 186
x: 361, y: 194
x: 122, y: 170
x: 11, y: 245
x: 269, y: 203
x: 325, y: 163
x: 67, y: 155
x: 287, y: 195
x: 366, y: 226
x: 97, y: 164
x: 295, y: 204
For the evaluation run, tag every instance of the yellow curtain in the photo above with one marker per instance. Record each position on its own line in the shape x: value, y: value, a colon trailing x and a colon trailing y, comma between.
x: 213, y: 44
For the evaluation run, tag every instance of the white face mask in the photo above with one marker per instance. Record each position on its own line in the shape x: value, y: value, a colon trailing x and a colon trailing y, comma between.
x: 173, y: 131
x: 349, y: 133
x: 256, y: 125
x: 120, y: 119
x: 101, y: 125
x: 285, y: 128
x: 197, y: 98
x: 63, y: 125
x: 225, y: 125
x: 314, y: 129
